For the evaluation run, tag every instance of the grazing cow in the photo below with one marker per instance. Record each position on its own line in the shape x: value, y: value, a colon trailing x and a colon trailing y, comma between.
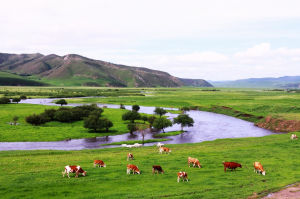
x: 183, y: 175
x: 294, y: 137
x: 160, y: 144
x: 231, y: 165
x: 131, y: 167
x: 194, y: 161
x: 164, y: 149
x: 130, y: 156
x: 258, y: 168
x: 100, y: 163
x: 157, y: 169
x: 73, y: 169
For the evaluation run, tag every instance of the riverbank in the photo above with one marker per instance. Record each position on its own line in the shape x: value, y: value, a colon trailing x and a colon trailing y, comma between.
x: 41, y: 170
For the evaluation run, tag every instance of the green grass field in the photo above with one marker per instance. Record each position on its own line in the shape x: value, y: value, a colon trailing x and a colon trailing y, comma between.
x: 37, y: 174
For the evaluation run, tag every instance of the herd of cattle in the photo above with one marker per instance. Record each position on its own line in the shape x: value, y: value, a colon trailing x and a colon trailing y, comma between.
x: 258, y: 168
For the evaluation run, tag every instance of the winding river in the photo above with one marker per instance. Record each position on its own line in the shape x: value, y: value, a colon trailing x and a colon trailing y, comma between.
x: 207, y: 126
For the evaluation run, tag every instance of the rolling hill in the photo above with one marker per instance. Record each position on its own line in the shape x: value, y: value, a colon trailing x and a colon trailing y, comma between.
x: 76, y: 70
x: 269, y: 82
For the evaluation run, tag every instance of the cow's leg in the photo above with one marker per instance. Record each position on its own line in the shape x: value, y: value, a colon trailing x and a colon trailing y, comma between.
x: 178, y: 179
x: 68, y: 174
x: 224, y: 169
x: 63, y: 173
x: 128, y: 171
x: 76, y: 176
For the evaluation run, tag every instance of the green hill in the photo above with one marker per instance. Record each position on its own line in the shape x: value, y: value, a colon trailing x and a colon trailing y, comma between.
x: 8, y: 79
x: 76, y: 70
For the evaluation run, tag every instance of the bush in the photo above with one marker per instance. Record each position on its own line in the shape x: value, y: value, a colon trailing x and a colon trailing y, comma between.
x: 50, y: 113
x: 4, y: 100
x: 36, y: 119
x: 23, y: 97
x: 61, y: 102
x: 160, y: 111
x: 131, y: 116
x: 17, y: 100
x: 135, y: 107
x: 95, y: 123
x: 63, y: 115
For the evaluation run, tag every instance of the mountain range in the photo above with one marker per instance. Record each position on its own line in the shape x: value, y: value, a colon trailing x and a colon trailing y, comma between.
x: 268, y: 82
x: 75, y: 70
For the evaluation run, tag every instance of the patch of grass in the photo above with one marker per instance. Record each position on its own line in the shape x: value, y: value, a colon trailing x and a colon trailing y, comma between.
x: 136, y: 141
x: 171, y: 133
x: 37, y: 174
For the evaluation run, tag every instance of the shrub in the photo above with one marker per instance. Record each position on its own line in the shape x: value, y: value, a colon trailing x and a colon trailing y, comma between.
x: 17, y: 100
x: 50, y: 113
x: 135, y: 107
x: 4, y: 100
x: 36, y: 119
x: 131, y: 116
x: 23, y: 97
x: 95, y: 123
x: 63, y: 115
x: 61, y: 102
x: 160, y: 111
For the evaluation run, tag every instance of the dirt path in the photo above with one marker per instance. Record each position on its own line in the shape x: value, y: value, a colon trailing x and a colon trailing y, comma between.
x: 292, y: 192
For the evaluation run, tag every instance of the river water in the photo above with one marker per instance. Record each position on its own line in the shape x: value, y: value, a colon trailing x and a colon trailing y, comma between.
x: 207, y: 126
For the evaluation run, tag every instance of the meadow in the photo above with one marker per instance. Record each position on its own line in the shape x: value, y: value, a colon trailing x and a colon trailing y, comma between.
x: 37, y: 174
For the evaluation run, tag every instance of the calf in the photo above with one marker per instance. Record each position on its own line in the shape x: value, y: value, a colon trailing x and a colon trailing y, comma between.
x: 131, y: 167
x: 130, y: 156
x: 294, y: 137
x: 258, y: 168
x: 73, y: 169
x: 157, y: 169
x: 100, y: 163
x: 231, y: 165
x: 194, y: 161
x: 164, y: 149
x: 160, y: 144
x: 182, y: 175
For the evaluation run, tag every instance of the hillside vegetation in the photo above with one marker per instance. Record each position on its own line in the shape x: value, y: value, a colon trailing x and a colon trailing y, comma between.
x: 76, y: 70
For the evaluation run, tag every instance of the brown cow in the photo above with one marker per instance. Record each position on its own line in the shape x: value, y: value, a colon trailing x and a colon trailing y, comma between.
x: 73, y: 169
x: 194, y: 161
x: 258, y: 168
x: 100, y: 163
x: 164, y: 149
x: 294, y: 137
x: 157, y: 169
x: 183, y: 175
x: 231, y: 165
x: 131, y: 167
x: 130, y: 156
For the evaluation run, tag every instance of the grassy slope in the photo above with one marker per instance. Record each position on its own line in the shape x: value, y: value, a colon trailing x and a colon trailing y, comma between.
x: 51, y: 131
x: 256, y: 102
x: 9, y: 79
x: 37, y: 174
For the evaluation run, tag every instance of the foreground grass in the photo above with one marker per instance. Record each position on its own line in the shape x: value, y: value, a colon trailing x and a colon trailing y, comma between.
x: 37, y: 174
x: 136, y: 141
x: 51, y: 131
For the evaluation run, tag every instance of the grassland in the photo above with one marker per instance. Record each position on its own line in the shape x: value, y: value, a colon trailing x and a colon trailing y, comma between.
x: 37, y: 174
x: 51, y: 131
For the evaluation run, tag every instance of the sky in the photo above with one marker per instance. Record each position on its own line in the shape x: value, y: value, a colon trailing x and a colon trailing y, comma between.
x: 200, y: 39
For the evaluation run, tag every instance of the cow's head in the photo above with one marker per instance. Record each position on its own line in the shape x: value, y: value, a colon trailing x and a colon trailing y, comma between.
x: 104, y: 165
x: 84, y: 173
x: 263, y: 173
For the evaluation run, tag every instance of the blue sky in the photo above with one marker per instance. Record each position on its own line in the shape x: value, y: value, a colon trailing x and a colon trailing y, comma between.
x: 214, y: 40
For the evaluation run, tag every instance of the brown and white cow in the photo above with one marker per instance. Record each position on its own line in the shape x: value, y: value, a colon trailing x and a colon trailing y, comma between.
x: 131, y: 167
x: 258, y: 168
x: 182, y: 175
x: 294, y: 137
x: 99, y: 163
x: 130, y: 156
x: 73, y: 169
x: 194, y: 161
x: 164, y: 149
x: 231, y: 165
x: 157, y: 169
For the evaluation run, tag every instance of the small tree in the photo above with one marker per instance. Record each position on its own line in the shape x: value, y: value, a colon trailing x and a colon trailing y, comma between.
x: 151, y: 120
x: 183, y: 120
x: 122, y: 106
x: 61, y: 102
x: 162, y: 123
x: 4, y: 100
x: 131, y: 127
x: 160, y: 111
x: 15, y: 120
x: 17, y: 100
x: 92, y: 122
x: 131, y: 116
x: 144, y: 118
x: 107, y: 124
x: 135, y: 107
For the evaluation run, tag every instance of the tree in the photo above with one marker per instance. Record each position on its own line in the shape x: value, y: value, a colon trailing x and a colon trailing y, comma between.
x: 23, y: 97
x: 135, y: 107
x: 131, y: 127
x: 107, y: 123
x: 15, y: 120
x: 63, y: 115
x: 183, y: 120
x: 92, y: 122
x: 131, y: 116
x: 122, y: 106
x: 161, y: 123
x: 144, y: 118
x: 61, y: 102
x: 184, y: 109
x: 4, y: 100
x: 36, y: 119
x: 160, y: 111
x: 151, y: 120
x: 17, y: 100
